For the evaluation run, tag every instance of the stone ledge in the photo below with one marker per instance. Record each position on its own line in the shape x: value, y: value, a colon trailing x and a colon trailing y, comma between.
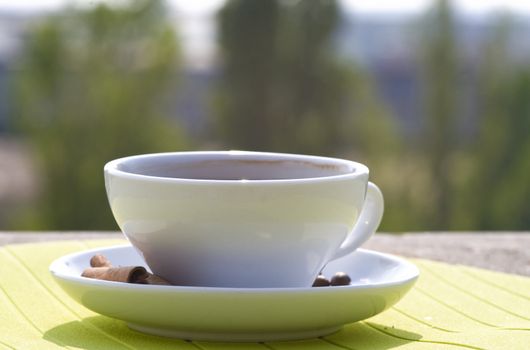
x: 500, y: 251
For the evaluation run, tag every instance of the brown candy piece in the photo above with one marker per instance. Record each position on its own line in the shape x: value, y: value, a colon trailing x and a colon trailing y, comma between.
x: 102, y: 269
x: 340, y: 279
x: 128, y: 274
x: 321, y: 281
x: 99, y: 260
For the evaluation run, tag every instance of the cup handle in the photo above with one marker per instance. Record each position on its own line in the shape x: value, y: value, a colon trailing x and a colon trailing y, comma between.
x: 367, y: 223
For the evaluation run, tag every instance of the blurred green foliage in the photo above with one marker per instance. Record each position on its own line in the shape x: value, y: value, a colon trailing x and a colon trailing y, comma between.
x: 91, y: 89
x: 282, y: 87
x: 94, y: 83
x: 439, y: 68
x: 497, y: 194
x: 477, y: 182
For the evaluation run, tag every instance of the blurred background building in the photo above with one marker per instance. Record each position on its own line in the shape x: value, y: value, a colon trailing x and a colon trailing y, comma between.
x: 434, y: 96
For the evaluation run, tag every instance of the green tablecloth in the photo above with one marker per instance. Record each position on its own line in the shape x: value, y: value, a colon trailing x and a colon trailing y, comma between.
x: 450, y: 307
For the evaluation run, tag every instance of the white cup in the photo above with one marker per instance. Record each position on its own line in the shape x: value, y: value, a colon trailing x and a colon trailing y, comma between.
x: 242, y: 219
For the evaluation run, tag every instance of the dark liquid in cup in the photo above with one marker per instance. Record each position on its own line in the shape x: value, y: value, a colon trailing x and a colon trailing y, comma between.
x: 238, y: 169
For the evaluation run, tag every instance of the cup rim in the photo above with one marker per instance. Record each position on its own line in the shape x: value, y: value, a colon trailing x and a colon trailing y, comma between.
x: 358, y: 169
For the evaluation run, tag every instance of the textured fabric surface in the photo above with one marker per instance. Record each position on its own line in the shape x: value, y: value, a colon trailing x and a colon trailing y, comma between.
x: 450, y: 307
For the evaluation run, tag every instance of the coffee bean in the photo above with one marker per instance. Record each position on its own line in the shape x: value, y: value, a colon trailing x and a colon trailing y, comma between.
x: 321, y: 281
x: 340, y: 279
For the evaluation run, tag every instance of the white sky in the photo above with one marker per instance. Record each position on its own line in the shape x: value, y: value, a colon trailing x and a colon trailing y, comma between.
x: 205, y: 7
x: 468, y: 6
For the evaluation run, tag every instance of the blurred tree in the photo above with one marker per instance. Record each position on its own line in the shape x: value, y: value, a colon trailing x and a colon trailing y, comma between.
x: 282, y: 88
x: 247, y: 38
x: 313, y: 88
x: 91, y: 88
x: 498, y: 190
x: 440, y: 87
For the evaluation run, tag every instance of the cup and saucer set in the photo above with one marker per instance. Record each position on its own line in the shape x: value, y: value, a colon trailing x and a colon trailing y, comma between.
x: 241, y: 237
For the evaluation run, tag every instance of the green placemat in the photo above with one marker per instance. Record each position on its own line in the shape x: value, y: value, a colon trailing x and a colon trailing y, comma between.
x: 450, y: 307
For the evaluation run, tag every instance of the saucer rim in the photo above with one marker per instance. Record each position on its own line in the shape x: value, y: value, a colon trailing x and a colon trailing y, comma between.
x: 55, y: 270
